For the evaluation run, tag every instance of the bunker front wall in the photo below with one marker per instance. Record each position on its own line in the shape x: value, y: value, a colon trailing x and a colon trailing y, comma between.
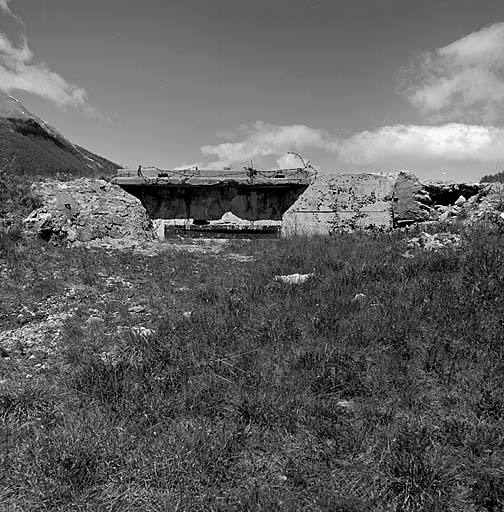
x: 345, y: 202
x: 212, y: 202
x: 341, y: 202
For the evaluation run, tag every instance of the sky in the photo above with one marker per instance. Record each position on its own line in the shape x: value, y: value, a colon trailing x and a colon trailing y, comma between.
x: 351, y: 85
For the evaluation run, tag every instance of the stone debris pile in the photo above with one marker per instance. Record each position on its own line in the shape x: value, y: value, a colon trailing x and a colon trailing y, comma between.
x: 441, y: 202
x: 88, y: 211
x: 488, y: 206
x: 433, y: 201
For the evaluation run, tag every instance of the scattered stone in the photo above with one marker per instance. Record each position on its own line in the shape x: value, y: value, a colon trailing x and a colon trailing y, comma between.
x: 137, y: 330
x: 42, y: 336
x: 435, y: 242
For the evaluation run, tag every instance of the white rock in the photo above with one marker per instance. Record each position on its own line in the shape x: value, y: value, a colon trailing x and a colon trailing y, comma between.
x: 460, y: 201
x: 294, y: 278
x: 140, y: 330
x: 346, y: 404
x: 94, y: 320
x: 137, y: 309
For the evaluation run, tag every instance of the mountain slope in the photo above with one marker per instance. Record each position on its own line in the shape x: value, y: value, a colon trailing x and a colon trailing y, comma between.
x: 30, y: 146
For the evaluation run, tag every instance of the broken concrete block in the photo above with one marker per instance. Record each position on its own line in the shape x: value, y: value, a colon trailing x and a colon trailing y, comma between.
x: 460, y: 201
x: 66, y: 205
x: 341, y: 202
x: 84, y: 234
x: 411, y: 202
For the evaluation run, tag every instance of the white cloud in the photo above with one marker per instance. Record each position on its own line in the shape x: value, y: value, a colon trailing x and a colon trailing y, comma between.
x: 19, y: 73
x: 185, y: 167
x: 453, y: 141
x: 465, y: 149
x: 289, y: 161
x: 4, y: 7
x: 461, y: 81
x: 265, y: 143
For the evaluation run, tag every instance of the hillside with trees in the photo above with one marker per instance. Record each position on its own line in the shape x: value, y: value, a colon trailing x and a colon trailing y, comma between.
x: 493, y: 178
x: 30, y: 150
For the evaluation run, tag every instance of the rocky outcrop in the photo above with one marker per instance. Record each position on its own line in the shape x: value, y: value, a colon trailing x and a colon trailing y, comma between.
x: 87, y: 211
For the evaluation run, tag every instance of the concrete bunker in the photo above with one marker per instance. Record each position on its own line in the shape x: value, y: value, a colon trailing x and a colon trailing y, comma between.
x: 287, y: 202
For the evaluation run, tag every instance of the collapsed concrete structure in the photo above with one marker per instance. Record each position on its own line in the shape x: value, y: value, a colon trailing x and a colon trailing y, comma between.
x: 93, y: 212
x: 345, y: 202
x: 300, y: 202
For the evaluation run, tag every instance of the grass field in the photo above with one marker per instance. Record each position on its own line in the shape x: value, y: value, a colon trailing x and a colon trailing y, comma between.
x: 192, y: 381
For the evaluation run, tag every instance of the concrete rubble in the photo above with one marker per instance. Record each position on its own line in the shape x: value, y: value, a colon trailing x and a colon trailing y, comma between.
x: 88, y: 211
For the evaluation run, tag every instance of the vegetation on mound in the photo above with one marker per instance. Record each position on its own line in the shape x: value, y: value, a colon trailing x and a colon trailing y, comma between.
x: 493, y: 178
x: 263, y: 395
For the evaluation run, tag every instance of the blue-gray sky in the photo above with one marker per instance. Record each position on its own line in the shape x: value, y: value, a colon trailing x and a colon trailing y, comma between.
x: 350, y: 84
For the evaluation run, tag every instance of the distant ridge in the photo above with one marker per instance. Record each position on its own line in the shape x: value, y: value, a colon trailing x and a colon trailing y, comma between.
x: 30, y: 146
